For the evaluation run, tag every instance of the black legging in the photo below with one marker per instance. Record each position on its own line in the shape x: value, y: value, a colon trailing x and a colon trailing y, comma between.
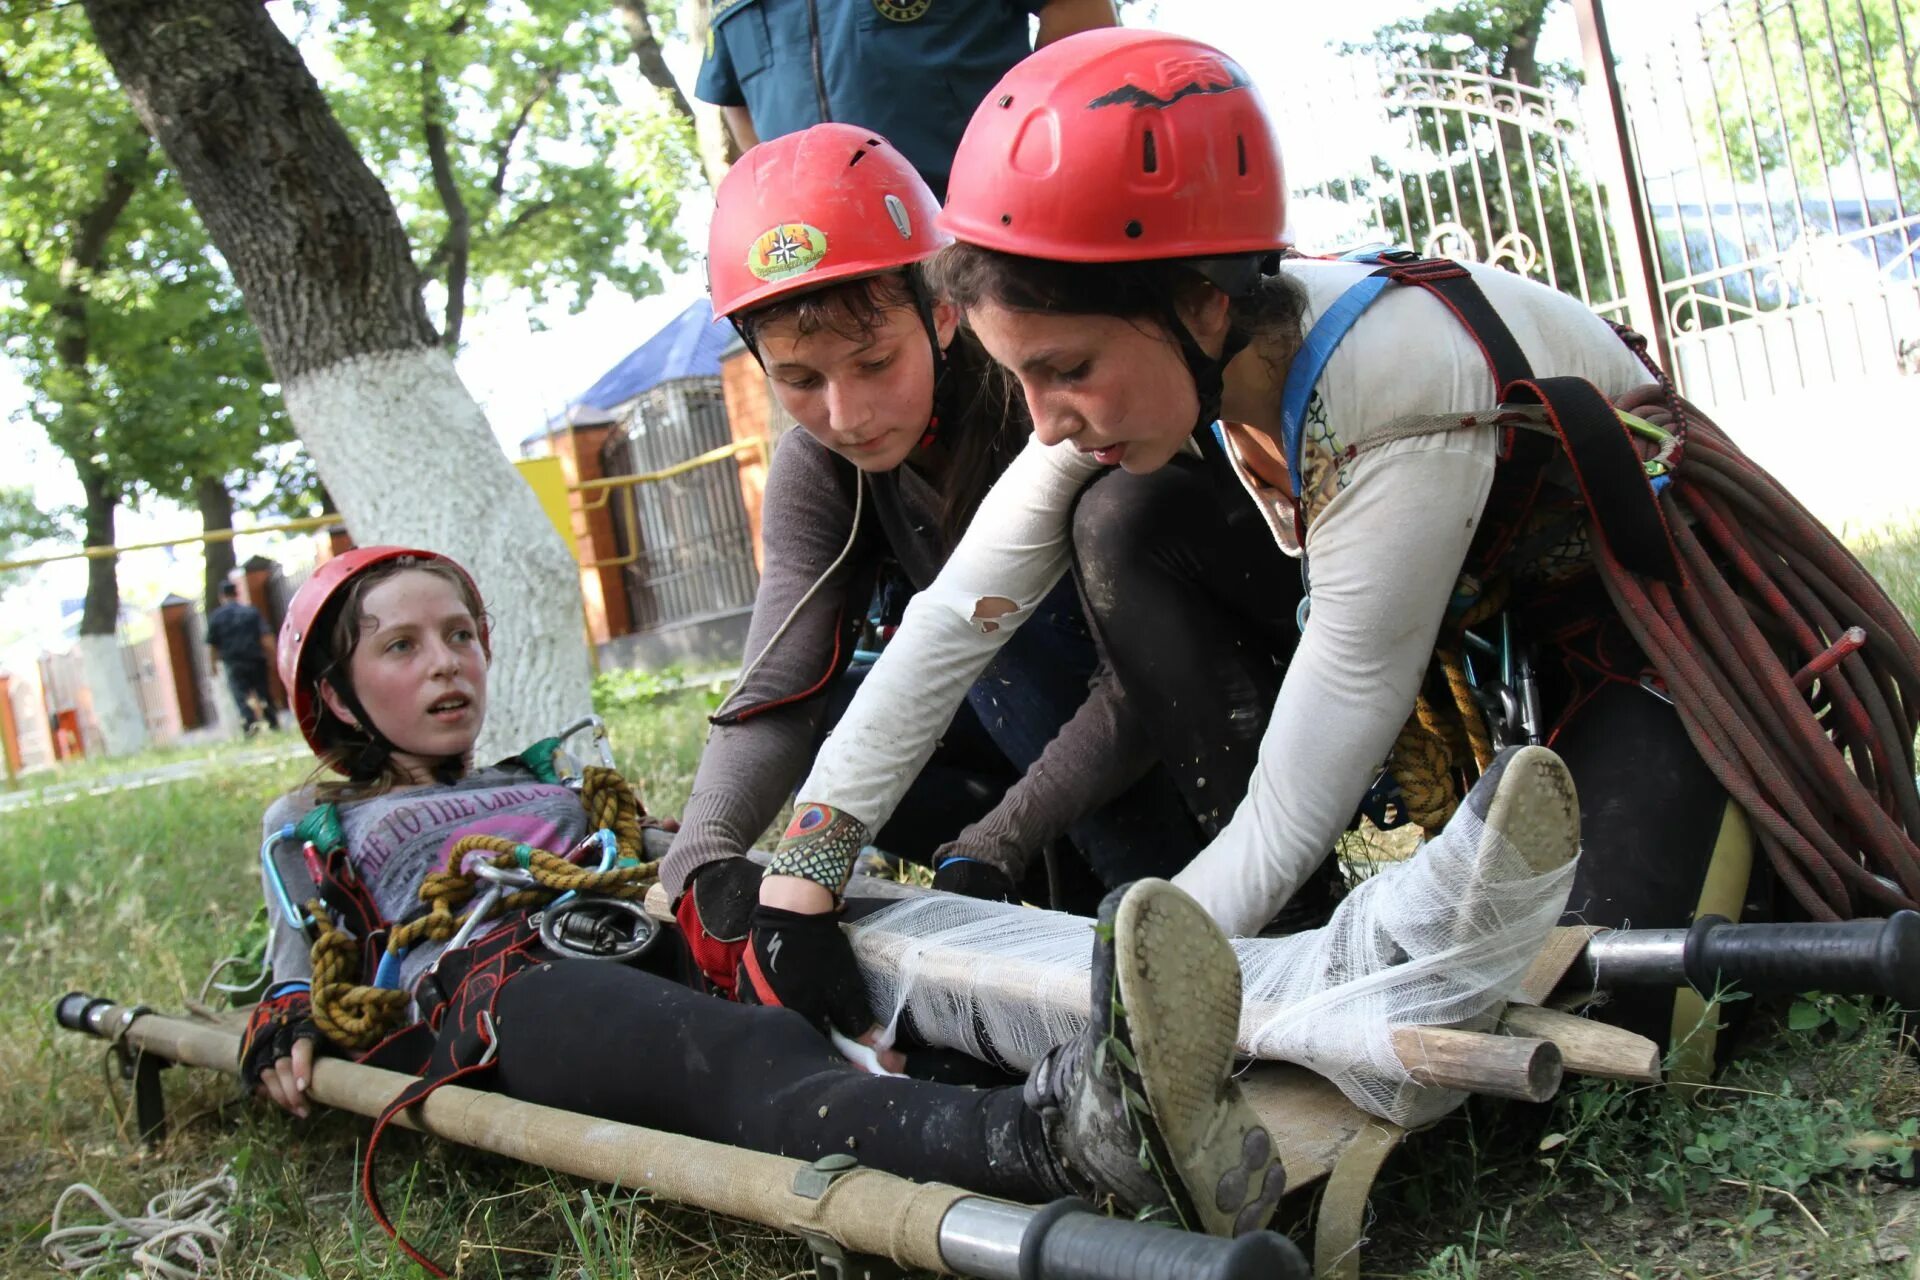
x: 1195, y: 605
x: 608, y: 1041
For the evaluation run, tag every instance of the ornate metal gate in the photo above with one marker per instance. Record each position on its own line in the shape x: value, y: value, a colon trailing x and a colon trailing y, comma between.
x: 1779, y: 153
x: 1773, y: 186
x: 1455, y: 163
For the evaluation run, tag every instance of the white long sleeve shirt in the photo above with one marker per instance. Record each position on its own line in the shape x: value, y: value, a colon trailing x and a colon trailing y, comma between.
x: 1388, y: 529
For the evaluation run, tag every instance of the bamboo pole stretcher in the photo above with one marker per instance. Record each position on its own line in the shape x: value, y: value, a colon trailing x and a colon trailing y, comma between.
x: 839, y: 1207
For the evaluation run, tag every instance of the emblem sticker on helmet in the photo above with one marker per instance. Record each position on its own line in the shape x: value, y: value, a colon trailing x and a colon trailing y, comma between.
x: 789, y: 249
x: 903, y: 10
x: 902, y: 220
x: 1177, y: 78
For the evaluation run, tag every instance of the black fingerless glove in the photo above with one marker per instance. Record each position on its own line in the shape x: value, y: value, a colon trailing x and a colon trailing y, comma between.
x: 714, y: 914
x: 804, y: 962
x: 278, y: 1022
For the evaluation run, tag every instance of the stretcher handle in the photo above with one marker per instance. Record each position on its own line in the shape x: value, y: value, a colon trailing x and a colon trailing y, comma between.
x: 1069, y: 1241
x: 1849, y: 957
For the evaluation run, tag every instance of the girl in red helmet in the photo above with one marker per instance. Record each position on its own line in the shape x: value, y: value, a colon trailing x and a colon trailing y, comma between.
x: 1119, y: 211
x: 815, y: 254
x: 384, y: 654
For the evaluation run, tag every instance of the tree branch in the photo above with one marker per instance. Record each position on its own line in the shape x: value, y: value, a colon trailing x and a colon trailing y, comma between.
x: 456, y: 246
x: 504, y: 152
x: 526, y: 214
x: 646, y: 51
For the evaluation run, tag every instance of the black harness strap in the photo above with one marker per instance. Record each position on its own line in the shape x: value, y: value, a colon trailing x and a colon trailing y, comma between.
x: 1613, y: 481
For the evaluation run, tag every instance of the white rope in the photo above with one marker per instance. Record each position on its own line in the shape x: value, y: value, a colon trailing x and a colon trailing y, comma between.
x: 179, y: 1237
x: 259, y: 964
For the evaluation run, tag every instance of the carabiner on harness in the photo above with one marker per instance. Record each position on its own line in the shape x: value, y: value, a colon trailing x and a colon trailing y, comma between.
x: 297, y: 920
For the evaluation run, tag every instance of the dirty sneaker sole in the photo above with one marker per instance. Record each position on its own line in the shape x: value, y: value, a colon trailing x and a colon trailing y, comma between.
x: 1535, y: 810
x: 1178, y: 987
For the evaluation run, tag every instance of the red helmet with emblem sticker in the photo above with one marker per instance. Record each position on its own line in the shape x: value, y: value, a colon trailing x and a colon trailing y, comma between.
x: 830, y: 203
x: 306, y: 613
x: 1120, y: 145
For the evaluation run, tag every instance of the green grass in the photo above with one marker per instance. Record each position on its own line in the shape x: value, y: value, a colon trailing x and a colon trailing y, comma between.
x: 134, y: 894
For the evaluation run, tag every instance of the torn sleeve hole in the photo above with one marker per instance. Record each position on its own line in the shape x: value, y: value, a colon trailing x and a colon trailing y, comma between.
x: 989, y: 608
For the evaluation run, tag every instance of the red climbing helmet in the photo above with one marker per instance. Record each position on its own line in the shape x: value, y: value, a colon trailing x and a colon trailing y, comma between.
x: 304, y: 613
x: 1120, y: 145
x: 829, y: 203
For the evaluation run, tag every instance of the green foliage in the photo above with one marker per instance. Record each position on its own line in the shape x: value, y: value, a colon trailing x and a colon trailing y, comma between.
x: 1806, y: 1113
x: 1801, y: 88
x: 134, y: 345
x: 632, y: 687
x: 1491, y: 37
x: 507, y: 145
x: 615, y: 690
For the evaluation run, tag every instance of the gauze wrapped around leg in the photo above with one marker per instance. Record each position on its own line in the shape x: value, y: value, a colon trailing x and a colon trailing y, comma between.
x: 1439, y: 940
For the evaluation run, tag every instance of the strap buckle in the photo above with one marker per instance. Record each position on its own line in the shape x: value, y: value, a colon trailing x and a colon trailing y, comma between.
x: 1421, y: 270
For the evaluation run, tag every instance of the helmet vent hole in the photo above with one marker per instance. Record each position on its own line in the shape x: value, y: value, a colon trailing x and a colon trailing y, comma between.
x: 858, y: 156
x: 873, y: 142
x: 1006, y: 100
x: 1240, y: 143
x: 1150, y: 157
x: 1135, y: 230
x: 1006, y: 219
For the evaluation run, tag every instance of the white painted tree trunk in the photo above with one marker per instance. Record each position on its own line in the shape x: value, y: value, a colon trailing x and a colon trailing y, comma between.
x: 123, y: 728
x: 409, y: 458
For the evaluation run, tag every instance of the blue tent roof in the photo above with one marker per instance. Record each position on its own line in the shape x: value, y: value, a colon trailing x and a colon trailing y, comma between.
x: 688, y: 346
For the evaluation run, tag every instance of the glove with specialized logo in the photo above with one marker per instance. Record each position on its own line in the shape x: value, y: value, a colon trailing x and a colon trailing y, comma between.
x: 800, y: 961
x: 715, y: 913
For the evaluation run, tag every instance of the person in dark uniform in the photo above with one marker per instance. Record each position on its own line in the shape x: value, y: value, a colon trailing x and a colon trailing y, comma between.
x: 911, y: 70
x: 239, y: 639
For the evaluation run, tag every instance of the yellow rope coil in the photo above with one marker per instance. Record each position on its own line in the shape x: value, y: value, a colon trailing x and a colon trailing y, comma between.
x: 1441, y: 741
x: 358, y: 1017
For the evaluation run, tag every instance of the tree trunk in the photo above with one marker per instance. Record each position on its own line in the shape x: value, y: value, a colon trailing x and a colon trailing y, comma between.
x: 718, y: 150
x: 116, y: 707
x: 646, y: 53
x: 216, y: 512
x: 315, y: 245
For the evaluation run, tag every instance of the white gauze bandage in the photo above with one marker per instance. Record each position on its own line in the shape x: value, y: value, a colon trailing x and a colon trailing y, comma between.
x: 1439, y: 940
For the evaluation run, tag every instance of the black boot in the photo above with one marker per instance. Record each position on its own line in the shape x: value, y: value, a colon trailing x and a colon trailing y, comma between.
x: 1142, y: 1108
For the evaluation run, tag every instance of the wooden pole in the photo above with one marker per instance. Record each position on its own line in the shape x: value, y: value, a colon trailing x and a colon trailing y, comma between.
x: 868, y: 1212
x: 1501, y: 1066
x: 1587, y: 1047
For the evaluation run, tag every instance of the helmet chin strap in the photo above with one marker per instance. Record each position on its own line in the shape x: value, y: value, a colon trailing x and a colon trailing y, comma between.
x: 923, y: 303
x: 374, y: 755
x: 1237, y: 276
x: 1208, y: 372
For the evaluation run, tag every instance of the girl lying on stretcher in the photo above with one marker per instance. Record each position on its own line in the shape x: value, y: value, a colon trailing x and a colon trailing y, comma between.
x: 385, y: 654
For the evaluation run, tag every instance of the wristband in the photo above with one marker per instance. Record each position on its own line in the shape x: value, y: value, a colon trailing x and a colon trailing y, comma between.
x: 820, y: 845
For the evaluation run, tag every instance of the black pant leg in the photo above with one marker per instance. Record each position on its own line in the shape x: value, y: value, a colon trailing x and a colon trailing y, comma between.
x: 1195, y: 606
x: 1658, y: 844
x: 613, y: 1042
x: 239, y: 685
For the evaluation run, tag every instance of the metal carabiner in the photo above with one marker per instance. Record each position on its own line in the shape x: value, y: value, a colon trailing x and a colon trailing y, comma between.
x: 296, y: 919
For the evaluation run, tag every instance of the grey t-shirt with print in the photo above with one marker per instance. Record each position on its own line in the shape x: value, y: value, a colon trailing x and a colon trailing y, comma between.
x: 395, y: 839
